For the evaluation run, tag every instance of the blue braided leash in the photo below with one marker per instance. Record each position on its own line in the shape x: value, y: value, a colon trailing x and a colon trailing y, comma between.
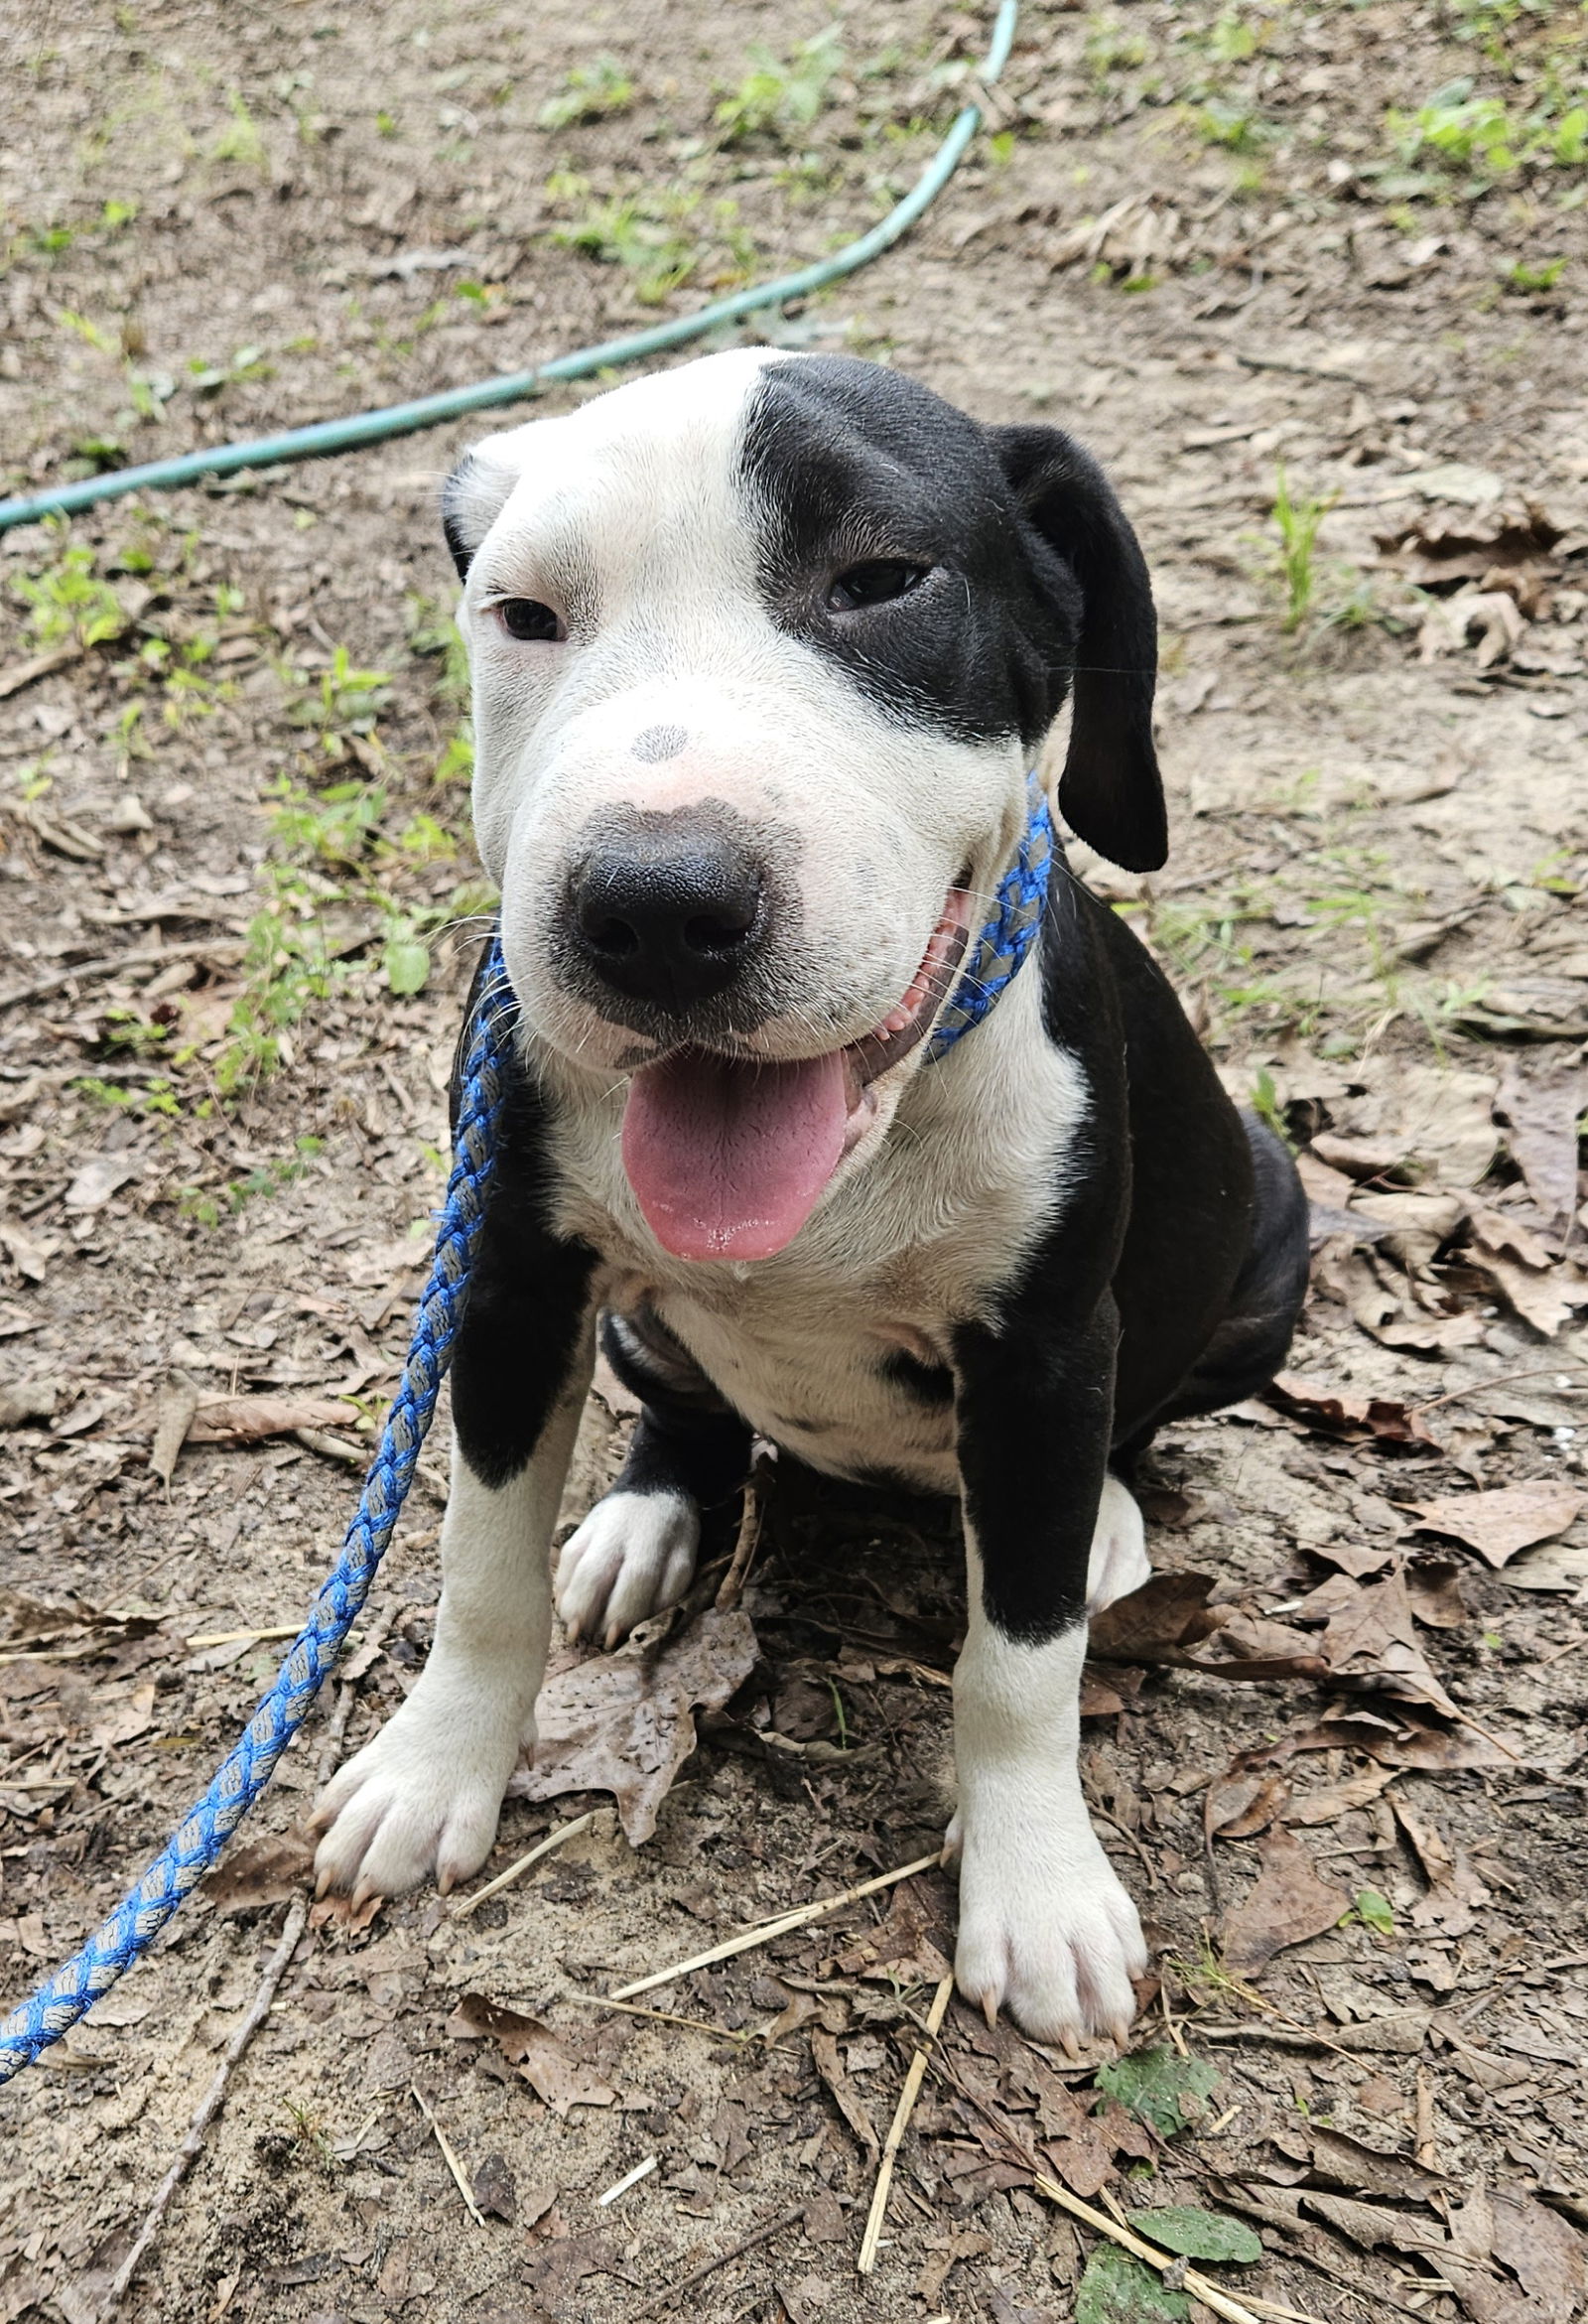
x: 72, y: 1990
x: 143, y: 1912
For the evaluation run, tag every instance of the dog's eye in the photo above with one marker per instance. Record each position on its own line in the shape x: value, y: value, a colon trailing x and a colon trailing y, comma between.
x: 527, y: 617
x: 877, y: 583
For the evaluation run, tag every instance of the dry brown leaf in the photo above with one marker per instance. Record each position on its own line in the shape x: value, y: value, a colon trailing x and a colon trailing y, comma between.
x: 1455, y: 1895
x: 22, y: 1401
x: 1344, y: 1412
x: 1405, y: 1741
x: 1544, y: 2254
x: 624, y: 1723
x: 1545, y: 1299
x: 1238, y: 1807
x: 1167, y: 1613
x: 851, y: 2104
x: 122, y: 1719
x: 546, y: 2061
x: 1498, y: 1524
x: 1542, y: 1101
x: 1433, y: 1587
x: 1288, y: 1905
x: 1339, y: 1799
x: 175, y: 1408
x: 1370, y: 1640
x: 265, y: 1871
x: 1336, y: 2159
x: 247, y: 1420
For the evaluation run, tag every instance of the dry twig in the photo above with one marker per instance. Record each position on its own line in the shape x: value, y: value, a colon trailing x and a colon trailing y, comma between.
x: 778, y: 1926
x: 673, y: 2291
x: 213, y: 2101
x: 897, y: 2130
x: 541, y: 1849
x: 738, y: 1566
x: 449, y: 2155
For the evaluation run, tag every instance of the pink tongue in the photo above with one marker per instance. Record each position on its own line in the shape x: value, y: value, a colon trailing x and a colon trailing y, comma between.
x: 728, y: 1159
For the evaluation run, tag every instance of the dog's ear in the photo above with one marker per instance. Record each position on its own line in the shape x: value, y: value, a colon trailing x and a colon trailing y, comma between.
x: 471, y: 499
x: 1111, y: 793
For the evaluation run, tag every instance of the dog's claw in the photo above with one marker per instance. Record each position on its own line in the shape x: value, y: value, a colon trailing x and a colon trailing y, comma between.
x: 990, y: 2010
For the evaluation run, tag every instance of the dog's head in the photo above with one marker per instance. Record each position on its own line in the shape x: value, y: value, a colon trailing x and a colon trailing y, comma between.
x: 762, y: 649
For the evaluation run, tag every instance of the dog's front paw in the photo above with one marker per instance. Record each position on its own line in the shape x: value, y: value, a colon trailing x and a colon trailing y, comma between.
x: 633, y: 1554
x: 1046, y: 1931
x: 424, y: 1797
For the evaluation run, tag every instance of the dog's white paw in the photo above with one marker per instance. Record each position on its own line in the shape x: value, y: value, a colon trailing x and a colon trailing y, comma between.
x: 633, y: 1554
x: 423, y: 1797
x: 1046, y: 1932
x: 1119, y: 1562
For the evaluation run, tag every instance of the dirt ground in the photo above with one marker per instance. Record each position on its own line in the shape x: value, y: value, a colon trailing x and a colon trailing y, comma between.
x: 1285, y: 279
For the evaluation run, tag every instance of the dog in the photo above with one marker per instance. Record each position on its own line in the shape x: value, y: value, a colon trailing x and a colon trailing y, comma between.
x: 764, y: 650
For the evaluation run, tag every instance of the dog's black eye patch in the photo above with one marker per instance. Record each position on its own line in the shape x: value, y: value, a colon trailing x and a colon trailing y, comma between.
x: 875, y: 583
x: 528, y: 619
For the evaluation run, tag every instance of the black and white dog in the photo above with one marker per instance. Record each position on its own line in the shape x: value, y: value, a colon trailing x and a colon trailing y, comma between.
x: 764, y: 648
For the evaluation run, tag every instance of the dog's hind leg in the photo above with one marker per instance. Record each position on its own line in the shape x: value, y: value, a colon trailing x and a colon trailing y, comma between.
x: 1119, y: 1561
x: 635, y: 1551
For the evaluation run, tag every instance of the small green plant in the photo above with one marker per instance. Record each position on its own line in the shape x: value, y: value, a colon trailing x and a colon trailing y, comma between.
x: 1371, y: 1910
x: 1109, y: 46
x: 286, y: 966
x: 653, y: 232
x: 1533, y: 275
x: 589, y: 92
x: 779, y: 98
x: 248, y: 364
x: 239, y: 141
x: 1234, y: 127
x: 433, y: 632
x: 269, y: 1178
x: 333, y: 826
x: 143, y: 1098
x: 345, y: 701
x: 68, y: 605
x: 1297, y: 522
x: 1231, y: 39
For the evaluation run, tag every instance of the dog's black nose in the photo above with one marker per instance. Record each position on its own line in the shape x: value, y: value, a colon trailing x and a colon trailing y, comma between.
x: 671, y: 913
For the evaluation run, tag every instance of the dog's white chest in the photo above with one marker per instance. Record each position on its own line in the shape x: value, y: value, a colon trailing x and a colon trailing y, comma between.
x: 830, y: 1376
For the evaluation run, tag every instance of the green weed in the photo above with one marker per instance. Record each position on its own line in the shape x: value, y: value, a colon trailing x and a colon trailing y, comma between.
x: 1109, y: 47
x: 433, y: 632
x: 248, y: 364
x: 69, y: 604
x: 333, y: 826
x: 1297, y: 522
x: 652, y: 231
x: 589, y: 92
x: 1533, y: 275
x: 239, y: 141
x: 143, y: 1098
x: 345, y: 701
x: 779, y: 98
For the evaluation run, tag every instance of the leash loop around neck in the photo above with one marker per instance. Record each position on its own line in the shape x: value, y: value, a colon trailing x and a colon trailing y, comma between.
x: 993, y: 958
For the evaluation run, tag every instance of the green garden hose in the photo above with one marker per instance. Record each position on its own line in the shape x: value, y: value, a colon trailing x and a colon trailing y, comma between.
x: 429, y: 411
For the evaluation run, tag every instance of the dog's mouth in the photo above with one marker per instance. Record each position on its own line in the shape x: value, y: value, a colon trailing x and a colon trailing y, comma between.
x: 729, y: 1157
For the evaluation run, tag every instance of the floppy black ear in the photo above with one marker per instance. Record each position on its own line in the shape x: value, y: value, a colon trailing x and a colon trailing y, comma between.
x: 1111, y: 793
x: 471, y: 499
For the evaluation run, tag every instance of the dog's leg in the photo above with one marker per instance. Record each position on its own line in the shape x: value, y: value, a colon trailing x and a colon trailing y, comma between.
x: 1045, y: 1926
x: 426, y: 1795
x: 1119, y: 1562
x: 635, y: 1551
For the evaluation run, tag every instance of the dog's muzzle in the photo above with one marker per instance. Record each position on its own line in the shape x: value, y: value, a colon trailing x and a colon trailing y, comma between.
x: 671, y: 913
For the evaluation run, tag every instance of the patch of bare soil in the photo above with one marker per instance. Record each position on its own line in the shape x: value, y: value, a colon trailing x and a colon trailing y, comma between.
x: 1291, y: 272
